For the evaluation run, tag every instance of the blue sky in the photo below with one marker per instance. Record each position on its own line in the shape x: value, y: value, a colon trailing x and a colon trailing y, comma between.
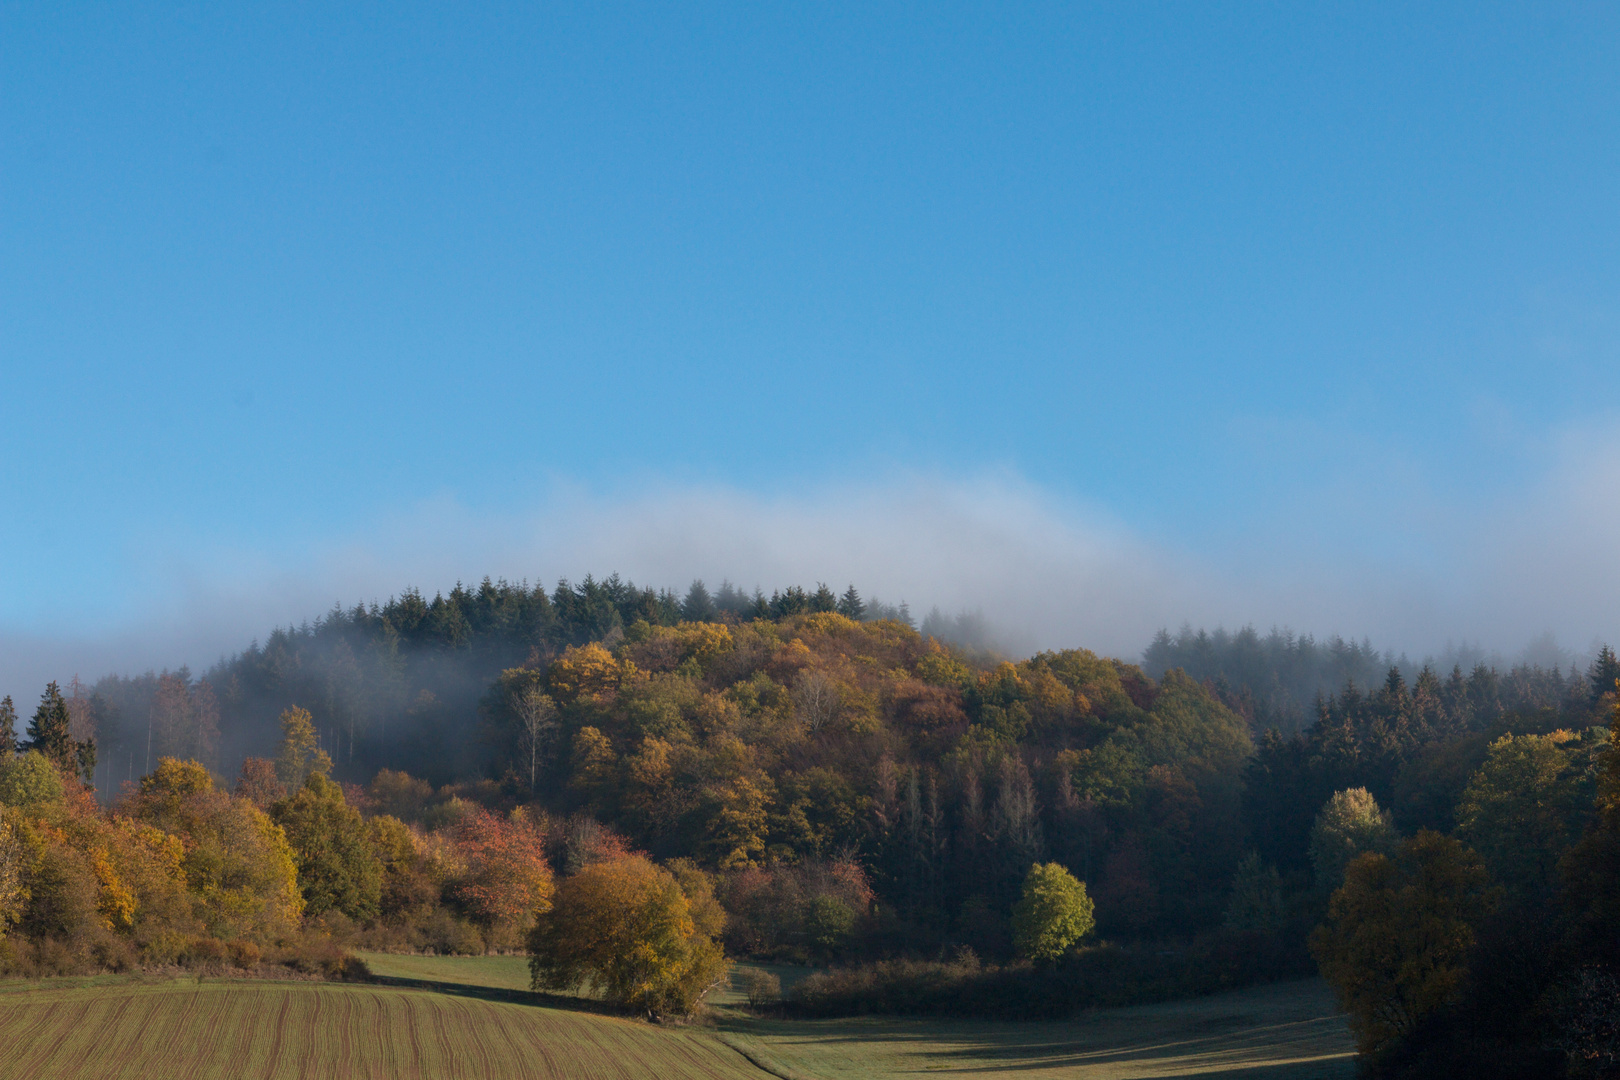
x: 1306, y: 314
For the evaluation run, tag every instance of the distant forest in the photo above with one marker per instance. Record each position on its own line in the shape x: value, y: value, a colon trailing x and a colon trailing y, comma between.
x: 402, y: 685
x: 1283, y: 680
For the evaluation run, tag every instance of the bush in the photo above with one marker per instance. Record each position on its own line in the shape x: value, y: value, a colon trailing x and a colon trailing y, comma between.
x: 204, y: 952
x: 243, y: 954
x: 1098, y: 977
x: 761, y: 987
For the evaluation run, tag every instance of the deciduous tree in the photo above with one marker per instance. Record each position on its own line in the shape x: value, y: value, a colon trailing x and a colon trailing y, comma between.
x: 627, y: 928
x: 337, y: 868
x: 1398, y: 932
x: 1349, y: 824
x: 300, y: 753
x: 1053, y: 913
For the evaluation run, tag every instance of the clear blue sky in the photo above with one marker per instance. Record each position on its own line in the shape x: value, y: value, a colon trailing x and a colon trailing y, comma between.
x: 1230, y: 275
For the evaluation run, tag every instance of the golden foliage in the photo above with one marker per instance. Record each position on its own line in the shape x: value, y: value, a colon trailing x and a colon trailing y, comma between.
x: 589, y: 671
x: 628, y: 928
x: 300, y: 753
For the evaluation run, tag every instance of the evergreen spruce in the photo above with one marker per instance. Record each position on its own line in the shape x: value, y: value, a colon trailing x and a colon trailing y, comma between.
x: 48, y: 730
x: 8, y: 728
x: 851, y: 605
x: 1605, y: 670
x: 698, y: 605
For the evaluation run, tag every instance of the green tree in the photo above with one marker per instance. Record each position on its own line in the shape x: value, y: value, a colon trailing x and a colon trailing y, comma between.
x: 1398, y: 932
x: 850, y: 605
x: 1605, y: 674
x: 8, y: 728
x: 1053, y: 913
x: 698, y: 605
x: 1349, y: 824
x: 1522, y: 809
x: 627, y: 928
x: 828, y: 922
x: 48, y: 731
x: 29, y: 780
x: 337, y: 867
x: 300, y: 753
x: 1591, y: 871
x: 1256, y: 902
x: 51, y: 733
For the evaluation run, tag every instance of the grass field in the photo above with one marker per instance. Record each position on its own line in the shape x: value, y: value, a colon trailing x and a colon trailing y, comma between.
x: 495, y: 972
x: 118, y: 1027
x: 304, y: 1030
x: 512, y: 972
x: 1288, y: 1031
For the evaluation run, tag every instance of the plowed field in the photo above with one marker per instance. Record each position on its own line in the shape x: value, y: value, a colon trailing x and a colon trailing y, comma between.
x: 302, y: 1031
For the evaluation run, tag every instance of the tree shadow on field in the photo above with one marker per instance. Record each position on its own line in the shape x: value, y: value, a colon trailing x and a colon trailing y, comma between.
x: 1275, y: 1033
x: 495, y: 993
x: 1299, y: 1049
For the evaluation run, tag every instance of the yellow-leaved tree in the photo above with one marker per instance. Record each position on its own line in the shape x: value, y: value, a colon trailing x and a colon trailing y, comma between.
x: 630, y: 929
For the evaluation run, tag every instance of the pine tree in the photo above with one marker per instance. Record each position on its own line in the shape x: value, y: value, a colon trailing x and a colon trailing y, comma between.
x: 698, y: 605
x: 850, y: 605
x: 1605, y: 670
x: 823, y: 598
x: 8, y: 728
x: 48, y: 730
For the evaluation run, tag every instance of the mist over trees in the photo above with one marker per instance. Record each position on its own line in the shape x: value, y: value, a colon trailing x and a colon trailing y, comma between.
x: 399, y: 685
x: 1279, y: 680
x: 965, y: 834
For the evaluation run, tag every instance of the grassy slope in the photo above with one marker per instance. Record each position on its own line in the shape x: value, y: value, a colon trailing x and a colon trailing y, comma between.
x: 243, y: 1029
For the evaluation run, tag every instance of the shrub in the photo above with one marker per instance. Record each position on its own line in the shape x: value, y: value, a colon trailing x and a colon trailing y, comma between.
x: 243, y: 954
x: 761, y: 987
x: 1099, y: 977
x: 204, y: 952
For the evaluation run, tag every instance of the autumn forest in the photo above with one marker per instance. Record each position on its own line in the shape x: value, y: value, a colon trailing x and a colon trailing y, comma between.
x: 807, y: 777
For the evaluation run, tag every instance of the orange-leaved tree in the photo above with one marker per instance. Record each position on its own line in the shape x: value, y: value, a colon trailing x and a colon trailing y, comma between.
x: 630, y: 929
x: 507, y: 881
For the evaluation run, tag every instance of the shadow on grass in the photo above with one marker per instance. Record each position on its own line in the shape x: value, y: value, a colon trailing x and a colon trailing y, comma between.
x: 1287, y: 1032
x: 563, y: 1002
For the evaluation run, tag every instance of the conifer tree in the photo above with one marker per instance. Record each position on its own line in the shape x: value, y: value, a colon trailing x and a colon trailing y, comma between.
x: 698, y: 605
x: 1605, y: 670
x: 823, y: 598
x: 8, y: 728
x: 48, y: 730
x: 850, y: 605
